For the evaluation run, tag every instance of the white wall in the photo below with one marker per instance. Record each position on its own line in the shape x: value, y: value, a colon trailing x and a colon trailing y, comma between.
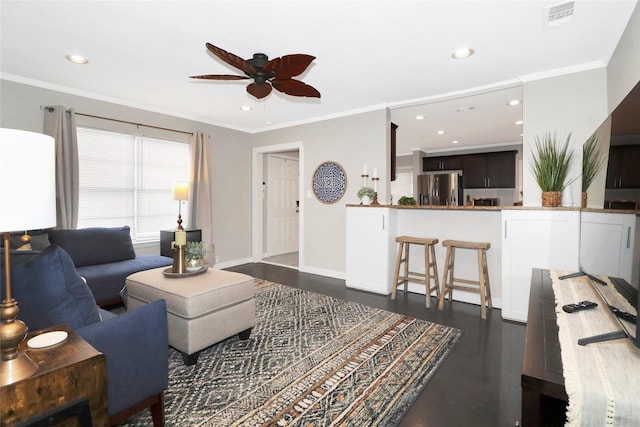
x: 574, y: 103
x: 230, y: 155
x: 623, y: 70
x: 350, y: 141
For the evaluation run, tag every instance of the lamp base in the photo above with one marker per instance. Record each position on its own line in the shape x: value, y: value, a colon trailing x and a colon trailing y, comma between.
x: 17, y: 369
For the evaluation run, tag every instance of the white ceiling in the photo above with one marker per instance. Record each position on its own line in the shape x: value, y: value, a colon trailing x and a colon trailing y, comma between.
x: 369, y: 55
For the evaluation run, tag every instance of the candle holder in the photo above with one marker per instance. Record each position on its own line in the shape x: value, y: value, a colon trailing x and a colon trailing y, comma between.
x: 375, y: 202
x: 365, y: 180
x: 179, y: 260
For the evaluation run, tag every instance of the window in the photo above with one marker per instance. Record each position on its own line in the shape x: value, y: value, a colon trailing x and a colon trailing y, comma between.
x: 403, y: 185
x: 127, y: 180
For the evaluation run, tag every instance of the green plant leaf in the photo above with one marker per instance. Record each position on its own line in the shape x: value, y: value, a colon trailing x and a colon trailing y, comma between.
x: 592, y: 161
x: 551, y: 162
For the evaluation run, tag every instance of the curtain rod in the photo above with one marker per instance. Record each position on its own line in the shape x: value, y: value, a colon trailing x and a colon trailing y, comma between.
x: 50, y: 109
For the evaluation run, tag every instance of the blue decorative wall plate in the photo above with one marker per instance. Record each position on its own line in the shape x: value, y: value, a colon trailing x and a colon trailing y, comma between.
x: 329, y: 182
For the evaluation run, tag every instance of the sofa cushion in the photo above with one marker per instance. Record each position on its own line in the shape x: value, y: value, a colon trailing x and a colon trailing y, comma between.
x: 106, y: 280
x: 49, y: 291
x: 95, y: 245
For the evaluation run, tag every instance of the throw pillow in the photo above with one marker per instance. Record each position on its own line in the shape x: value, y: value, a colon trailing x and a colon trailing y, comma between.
x: 49, y: 291
x: 95, y: 245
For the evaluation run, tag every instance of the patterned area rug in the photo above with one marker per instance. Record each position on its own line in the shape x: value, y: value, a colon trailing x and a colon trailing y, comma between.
x: 312, y: 360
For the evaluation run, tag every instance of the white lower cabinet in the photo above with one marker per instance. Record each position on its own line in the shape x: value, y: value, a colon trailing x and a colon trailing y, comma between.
x: 370, y: 239
x: 607, y: 244
x: 548, y: 239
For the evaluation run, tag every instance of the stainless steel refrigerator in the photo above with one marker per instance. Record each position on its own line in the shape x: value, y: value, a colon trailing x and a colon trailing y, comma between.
x: 440, y: 188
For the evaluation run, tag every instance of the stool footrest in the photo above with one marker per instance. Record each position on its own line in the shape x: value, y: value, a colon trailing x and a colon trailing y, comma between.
x: 463, y: 288
x: 467, y: 281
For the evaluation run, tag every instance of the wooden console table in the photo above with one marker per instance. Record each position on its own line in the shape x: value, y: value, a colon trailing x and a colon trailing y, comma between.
x: 543, y: 394
x: 69, y: 375
x: 544, y: 397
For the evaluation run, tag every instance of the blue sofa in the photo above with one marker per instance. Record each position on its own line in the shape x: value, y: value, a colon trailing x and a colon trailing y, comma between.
x: 50, y: 292
x: 105, y: 257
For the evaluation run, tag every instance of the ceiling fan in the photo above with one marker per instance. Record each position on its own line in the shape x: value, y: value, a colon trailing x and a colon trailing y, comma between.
x: 266, y: 73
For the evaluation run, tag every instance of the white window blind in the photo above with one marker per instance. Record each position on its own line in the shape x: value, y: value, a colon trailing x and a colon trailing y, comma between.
x: 127, y: 180
x: 403, y: 185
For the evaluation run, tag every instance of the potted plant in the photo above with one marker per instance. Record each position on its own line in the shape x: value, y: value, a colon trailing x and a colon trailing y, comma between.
x: 550, y: 167
x: 195, y: 254
x: 592, y: 163
x: 366, y: 195
x: 406, y: 201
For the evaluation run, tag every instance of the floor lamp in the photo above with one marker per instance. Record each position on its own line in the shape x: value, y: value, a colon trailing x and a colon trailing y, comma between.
x: 25, y: 204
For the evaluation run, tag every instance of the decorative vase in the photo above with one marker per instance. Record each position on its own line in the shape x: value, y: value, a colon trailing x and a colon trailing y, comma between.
x: 195, y: 264
x: 551, y: 199
x: 584, y: 200
x: 365, y: 200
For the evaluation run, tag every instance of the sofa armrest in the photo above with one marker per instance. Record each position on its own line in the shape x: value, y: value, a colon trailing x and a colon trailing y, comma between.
x: 137, y: 351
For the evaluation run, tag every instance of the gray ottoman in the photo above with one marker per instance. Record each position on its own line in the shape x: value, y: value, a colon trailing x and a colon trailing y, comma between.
x: 202, y: 310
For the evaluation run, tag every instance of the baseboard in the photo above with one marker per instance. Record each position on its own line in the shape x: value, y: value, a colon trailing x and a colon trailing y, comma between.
x: 322, y: 272
x: 233, y: 263
x: 458, y: 295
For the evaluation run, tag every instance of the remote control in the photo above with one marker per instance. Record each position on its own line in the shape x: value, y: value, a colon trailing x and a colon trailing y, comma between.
x: 623, y: 314
x: 583, y: 305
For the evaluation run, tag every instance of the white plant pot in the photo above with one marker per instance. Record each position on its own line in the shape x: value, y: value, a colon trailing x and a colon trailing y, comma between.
x: 366, y: 200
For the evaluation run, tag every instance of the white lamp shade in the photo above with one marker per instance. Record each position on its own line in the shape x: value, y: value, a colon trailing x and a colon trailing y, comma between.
x: 180, y: 191
x: 27, y: 180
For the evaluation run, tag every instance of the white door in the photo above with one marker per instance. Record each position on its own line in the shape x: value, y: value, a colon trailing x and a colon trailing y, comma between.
x: 282, y: 205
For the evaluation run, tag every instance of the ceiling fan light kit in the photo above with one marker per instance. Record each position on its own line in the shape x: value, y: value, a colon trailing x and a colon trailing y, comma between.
x: 267, y: 74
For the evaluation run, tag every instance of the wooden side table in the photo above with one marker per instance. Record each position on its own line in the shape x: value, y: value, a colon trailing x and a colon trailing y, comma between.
x: 166, y: 237
x: 68, y: 373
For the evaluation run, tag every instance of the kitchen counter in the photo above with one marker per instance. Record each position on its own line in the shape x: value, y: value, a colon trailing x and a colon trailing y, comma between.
x: 497, y: 208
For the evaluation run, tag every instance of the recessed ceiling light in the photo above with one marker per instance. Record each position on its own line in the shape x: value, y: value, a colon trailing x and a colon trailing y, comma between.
x: 463, y: 52
x: 77, y: 59
x: 440, y: 132
x: 514, y: 102
x: 419, y: 117
x: 519, y: 122
x: 455, y: 142
x: 245, y: 108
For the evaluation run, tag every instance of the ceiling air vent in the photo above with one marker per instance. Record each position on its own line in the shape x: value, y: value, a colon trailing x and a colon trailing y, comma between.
x: 559, y: 13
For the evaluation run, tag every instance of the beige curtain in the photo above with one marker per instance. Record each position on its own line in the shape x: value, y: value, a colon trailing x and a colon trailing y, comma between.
x: 200, y: 198
x: 60, y: 123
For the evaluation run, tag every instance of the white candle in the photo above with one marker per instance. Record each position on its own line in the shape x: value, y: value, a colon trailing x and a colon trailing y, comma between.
x: 375, y: 172
x: 364, y: 170
x: 181, y: 238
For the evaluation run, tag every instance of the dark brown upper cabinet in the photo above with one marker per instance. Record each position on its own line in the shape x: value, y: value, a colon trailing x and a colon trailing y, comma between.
x: 623, y: 170
x: 442, y: 163
x: 490, y: 170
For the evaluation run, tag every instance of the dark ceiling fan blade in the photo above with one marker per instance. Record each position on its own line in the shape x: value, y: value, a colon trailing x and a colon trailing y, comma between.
x: 233, y: 60
x: 295, y: 88
x: 219, y: 77
x: 259, y: 90
x: 289, y: 65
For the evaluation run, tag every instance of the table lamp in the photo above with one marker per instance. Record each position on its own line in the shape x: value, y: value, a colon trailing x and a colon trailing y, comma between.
x: 180, y: 193
x: 27, y: 202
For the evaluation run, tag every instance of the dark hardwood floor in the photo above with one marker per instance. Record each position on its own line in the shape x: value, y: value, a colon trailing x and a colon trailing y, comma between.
x: 479, y: 382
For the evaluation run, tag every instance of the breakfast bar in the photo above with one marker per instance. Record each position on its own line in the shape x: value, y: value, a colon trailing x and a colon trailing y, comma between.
x: 521, y: 238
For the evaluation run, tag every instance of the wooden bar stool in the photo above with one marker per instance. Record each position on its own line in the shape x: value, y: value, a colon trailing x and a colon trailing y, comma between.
x: 481, y: 286
x: 430, y: 266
